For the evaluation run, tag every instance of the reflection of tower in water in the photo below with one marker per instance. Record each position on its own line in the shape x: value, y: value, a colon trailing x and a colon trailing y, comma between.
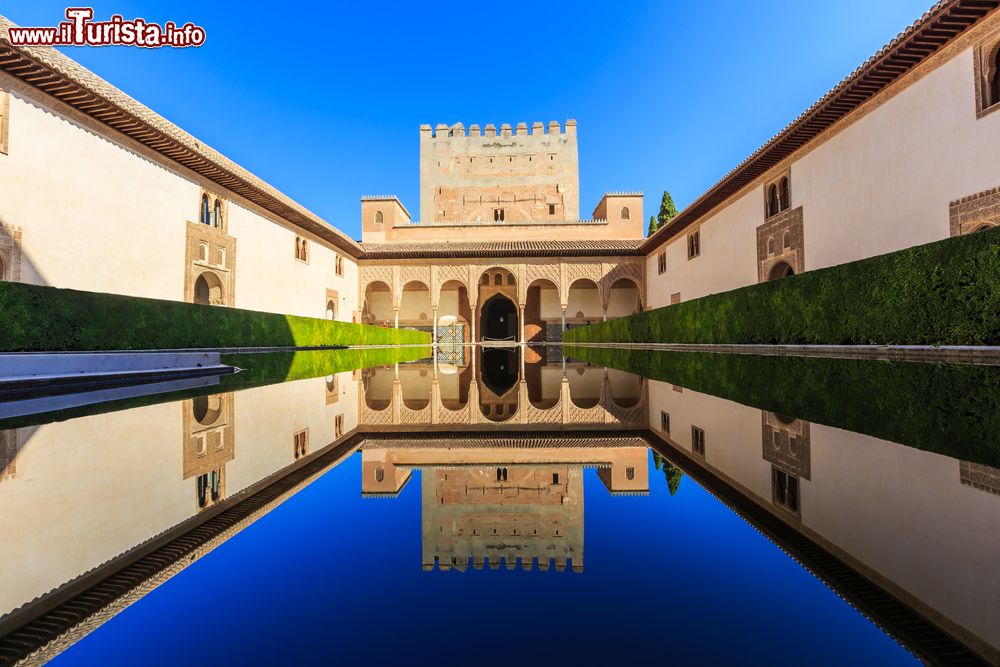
x: 517, y: 513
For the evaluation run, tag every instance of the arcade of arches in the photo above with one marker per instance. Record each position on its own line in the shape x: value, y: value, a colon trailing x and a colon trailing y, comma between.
x: 480, y: 301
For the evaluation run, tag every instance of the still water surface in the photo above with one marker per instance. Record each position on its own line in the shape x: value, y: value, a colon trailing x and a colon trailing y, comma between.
x: 494, y: 506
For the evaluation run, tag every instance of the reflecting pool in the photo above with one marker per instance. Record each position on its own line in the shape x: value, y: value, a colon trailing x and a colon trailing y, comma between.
x: 509, y: 505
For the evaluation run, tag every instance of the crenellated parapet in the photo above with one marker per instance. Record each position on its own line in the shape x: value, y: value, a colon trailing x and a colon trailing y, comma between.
x: 521, y: 129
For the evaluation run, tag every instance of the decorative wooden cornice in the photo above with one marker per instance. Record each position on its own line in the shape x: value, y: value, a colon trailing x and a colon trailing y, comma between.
x: 54, y: 74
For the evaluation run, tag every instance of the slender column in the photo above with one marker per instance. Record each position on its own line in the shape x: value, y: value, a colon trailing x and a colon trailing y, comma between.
x: 434, y: 335
x: 395, y: 317
x: 475, y: 316
x: 564, y: 318
x: 605, y: 314
x: 523, y: 340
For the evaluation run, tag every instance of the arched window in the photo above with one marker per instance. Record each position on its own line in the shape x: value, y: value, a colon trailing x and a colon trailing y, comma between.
x: 995, y: 78
x: 510, y: 278
x: 624, y: 213
x: 217, y: 215
x: 498, y: 279
x: 772, y: 200
x: 379, y: 474
x: 784, y: 194
x: 486, y: 279
x: 630, y: 473
x: 786, y: 241
x: 206, y: 214
x: 770, y: 245
x: 331, y: 310
x: 378, y: 217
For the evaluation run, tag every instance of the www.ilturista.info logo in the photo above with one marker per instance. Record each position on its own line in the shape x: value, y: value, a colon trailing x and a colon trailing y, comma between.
x: 81, y: 30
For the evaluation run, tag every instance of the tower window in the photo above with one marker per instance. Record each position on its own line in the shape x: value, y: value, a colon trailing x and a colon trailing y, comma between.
x: 338, y: 264
x: 555, y: 478
x: 624, y: 213
x: 378, y: 217
x: 552, y: 209
x: 630, y: 473
x: 498, y: 215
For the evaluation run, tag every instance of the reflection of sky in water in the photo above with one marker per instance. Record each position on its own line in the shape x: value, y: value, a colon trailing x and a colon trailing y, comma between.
x: 330, y: 577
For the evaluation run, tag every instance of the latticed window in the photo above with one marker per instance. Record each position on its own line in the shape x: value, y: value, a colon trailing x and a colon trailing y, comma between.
x: 661, y: 262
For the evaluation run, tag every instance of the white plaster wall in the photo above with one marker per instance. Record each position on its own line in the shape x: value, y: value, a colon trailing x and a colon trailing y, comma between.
x: 551, y: 309
x: 728, y: 255
x: 881, y: 184
x: 899, y: 510
x: 269, y: 278
x: 94, y: 215
x: 89, y: 489
x: 586, y: 300
x: 415, y: 306
x: 86, y: 491
x: 885, y: 182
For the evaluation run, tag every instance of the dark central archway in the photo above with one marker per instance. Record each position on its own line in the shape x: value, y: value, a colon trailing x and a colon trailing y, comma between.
x: 499, y: 319
x: 500, y: 369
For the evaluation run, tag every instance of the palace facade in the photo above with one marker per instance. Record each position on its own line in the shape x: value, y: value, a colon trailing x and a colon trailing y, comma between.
x: 99, y: 193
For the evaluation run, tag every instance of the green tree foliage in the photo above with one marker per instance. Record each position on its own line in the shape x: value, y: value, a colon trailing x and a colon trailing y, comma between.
x: 941, y: 293
x: 667, y: 210
x: 652, y: 226
x: 674, y: 476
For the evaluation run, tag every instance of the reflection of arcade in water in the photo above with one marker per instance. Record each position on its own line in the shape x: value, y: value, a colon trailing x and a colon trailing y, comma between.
x: 515, y: 385
x: 515, y: 497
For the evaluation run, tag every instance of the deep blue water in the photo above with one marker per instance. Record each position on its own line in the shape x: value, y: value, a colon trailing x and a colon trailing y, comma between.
x: 331, y: 577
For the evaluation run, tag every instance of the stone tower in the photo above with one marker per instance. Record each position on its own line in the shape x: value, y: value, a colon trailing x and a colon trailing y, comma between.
x: 508, y: 176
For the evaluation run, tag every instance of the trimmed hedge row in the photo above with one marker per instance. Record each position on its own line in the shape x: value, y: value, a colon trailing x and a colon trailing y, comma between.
x: 949, y: 409
x: 941, y: 293
x: 35, y: 318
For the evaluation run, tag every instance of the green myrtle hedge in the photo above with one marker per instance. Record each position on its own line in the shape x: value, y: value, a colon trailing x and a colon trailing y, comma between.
x: 949, y: 409
x: 941, y: 293
x: 35, y: 318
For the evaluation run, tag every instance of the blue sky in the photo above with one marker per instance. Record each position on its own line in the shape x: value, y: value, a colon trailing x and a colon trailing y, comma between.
x: 324, y: 100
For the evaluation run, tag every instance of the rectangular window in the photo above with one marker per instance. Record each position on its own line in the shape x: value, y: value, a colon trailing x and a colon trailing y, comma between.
x: 665, y: 422
x: 661, y: 263
x: 339, y: 265
x: 498, y: 215
x: 694, y: 244
x: 555, y: 478
x: 698, y: 441
x: 338, y: 426
x: 301, y: 249
x: 552, y: 209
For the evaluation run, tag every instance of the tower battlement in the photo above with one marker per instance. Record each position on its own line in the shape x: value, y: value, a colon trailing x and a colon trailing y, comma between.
x: 507, y: 174
x: 442, y: 130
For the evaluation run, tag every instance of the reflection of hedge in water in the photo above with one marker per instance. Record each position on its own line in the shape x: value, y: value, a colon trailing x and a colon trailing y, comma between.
x: 258, y: 370
x: 36, y: 318
x: 941, y: 293
x: 949, y: 409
